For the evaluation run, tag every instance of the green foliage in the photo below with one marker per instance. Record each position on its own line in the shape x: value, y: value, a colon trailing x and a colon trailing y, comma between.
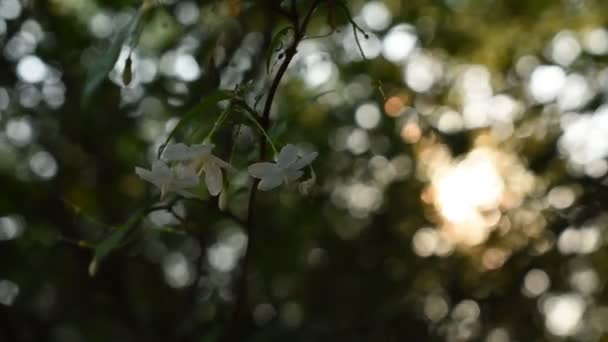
x: 207, y: 107
x: 113, y: 241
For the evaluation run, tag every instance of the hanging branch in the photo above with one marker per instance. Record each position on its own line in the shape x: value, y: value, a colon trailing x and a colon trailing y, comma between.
x: 239, y: 312
x: 356, y: 30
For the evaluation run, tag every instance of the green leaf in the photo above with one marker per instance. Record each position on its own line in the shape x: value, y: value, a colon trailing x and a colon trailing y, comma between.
x: 128, y: 35
x: 111, y: 242
x: 278, y: 129
x: 206, y: 104
x: 275, y: 44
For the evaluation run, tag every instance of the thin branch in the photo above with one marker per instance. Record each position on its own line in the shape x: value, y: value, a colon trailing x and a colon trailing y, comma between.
x: 254, y: 118
x: 239, y: 312
x: 77, y: 243
x: 356, y: 29
x: 246, y: 107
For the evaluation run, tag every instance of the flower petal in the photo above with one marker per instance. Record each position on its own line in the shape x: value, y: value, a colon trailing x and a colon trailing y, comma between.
x: 159, y: 175
x: 144, y: 174
x: 270, y: 183
x: 187, y: 194
x: 287, y: 156
x: 173, y: 152
x: 161, y: 171
x: 304, y: 161
x: 264, y: 170
x: 185, y: 178
x: 222, y: 163
x: 213, y: 179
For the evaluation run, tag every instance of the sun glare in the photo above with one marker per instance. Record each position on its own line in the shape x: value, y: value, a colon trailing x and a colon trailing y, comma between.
x: 470, y: 195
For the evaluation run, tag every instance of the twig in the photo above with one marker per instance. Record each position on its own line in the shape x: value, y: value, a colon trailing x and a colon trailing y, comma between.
x: 246, y: 107
x: 239, y: 311
x: 77, y: 243
x: 356, y: 28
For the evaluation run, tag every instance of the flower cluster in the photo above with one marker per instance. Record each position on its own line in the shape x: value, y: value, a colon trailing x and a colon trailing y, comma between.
x: 180, y: 167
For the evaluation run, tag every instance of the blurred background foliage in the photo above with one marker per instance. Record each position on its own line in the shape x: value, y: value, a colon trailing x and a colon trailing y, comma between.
x: 461, y: 183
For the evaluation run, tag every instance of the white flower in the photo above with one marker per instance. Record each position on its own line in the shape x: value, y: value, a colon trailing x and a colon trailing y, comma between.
x: 202, y: 160
x: 212, y: 166
x: 178, y: 179
x: 286, y: 169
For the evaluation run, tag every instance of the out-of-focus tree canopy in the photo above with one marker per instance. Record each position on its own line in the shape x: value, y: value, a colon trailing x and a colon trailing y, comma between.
x: 459, y: 193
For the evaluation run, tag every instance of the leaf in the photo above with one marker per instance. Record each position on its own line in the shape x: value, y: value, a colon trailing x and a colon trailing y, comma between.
x: 275, y: 44
x: 111, y: 242
x: 106, y: 246
x: 128, y: 35
x: 212, y: 99
x: 278, y: 130
x: 257, y: 124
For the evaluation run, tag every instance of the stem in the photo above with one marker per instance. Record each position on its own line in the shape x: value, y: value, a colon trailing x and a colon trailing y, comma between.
x: 252, y: 115
x: 217, y: 124
x: 239, y: 315
x: 356, y: 28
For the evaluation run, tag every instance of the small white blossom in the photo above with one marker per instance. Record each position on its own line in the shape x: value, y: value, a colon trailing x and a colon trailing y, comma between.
x: 212, y: 166
x: 201, y: 159
x: 286, y: 169
x: 179, y: 179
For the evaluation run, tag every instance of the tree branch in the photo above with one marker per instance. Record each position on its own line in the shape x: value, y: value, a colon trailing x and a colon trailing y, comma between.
x: 239, y: 315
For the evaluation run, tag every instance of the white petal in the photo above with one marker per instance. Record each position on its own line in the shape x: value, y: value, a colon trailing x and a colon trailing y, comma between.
x: 270, y: 183
x: 185, y: 180
x: 222, y: 163
x: 148, y: 176
x: 161, y: 171
x: 287, y: 156
x: 304, y: 161
x: 183, y: 171
x: 187, y: 194
x: 144, y: 174
x: 213, y: 179
x: 159, y: 175
x: 264, y: 170
x: 173, y: 152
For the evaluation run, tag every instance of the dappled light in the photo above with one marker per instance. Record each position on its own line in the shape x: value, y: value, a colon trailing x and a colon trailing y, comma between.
x: 471, y: 196
x: 563, y: 313
x: 8, y: 292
